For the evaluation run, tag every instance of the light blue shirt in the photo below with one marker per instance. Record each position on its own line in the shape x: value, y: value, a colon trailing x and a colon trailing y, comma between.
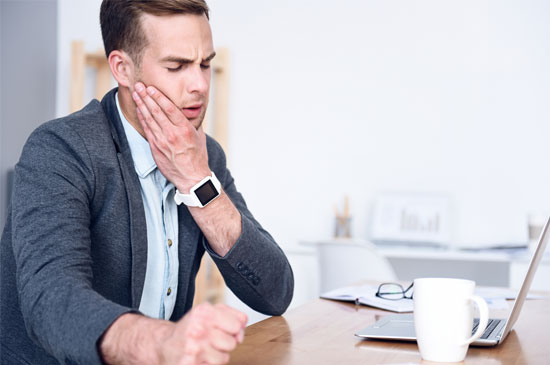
x: 161, y: 214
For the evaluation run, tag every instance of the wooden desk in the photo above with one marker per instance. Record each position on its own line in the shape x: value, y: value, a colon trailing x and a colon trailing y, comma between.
x: 322, y: 332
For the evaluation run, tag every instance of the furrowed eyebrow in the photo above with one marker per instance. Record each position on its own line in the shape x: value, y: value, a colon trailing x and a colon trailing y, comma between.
x: 209, y: 58
x: 184, y: 61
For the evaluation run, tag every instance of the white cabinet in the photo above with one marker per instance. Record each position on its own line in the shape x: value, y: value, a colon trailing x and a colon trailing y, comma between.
x: 541, y: 281
x: 485, y: 268
x: 306, y: 274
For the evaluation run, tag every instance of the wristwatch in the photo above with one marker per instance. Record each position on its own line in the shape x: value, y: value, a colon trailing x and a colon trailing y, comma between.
x: 201, y: 194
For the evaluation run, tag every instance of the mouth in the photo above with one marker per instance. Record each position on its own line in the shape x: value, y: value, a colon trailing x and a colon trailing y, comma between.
x: 192, y: 111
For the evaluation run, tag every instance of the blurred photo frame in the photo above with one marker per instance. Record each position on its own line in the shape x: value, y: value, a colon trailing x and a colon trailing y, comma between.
x: 411, y: 219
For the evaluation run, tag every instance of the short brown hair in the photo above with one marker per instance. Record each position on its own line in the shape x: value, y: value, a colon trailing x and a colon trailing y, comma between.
x: 121, y: 21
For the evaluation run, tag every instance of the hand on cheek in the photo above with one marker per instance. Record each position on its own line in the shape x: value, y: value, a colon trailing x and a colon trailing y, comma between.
x: 179, y: 149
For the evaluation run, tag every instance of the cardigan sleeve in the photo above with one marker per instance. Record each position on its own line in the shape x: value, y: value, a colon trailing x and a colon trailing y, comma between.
x: 54, y: 184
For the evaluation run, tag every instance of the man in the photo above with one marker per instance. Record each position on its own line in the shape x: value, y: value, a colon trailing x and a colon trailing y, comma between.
x: 98, y: 258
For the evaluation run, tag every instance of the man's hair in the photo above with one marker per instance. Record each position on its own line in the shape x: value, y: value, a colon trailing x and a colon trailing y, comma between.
x: 121, y: 21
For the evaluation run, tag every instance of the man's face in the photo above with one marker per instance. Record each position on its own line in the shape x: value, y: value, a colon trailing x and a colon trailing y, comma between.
x: 177, y: 61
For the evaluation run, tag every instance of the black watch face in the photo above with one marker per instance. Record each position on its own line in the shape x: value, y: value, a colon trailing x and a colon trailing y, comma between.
x: 206, y: 192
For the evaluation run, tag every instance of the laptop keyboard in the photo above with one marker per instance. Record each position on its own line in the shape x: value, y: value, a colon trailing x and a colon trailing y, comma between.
x: 490, y: 327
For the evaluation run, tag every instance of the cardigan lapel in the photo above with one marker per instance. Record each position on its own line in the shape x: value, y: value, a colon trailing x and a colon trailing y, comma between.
x: 138, y: 226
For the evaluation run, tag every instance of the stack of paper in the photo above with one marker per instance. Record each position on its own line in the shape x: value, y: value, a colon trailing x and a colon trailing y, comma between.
x: 366, y: 294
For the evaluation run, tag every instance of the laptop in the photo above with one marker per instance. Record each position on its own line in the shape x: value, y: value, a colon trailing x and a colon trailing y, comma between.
x: 401, y: 326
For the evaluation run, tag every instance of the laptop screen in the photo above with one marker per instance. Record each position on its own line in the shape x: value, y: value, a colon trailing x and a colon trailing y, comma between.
x: 535, y: 260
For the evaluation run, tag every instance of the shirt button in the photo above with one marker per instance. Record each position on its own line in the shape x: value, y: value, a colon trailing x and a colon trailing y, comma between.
x: 169, y: 243
x: 169, y: 291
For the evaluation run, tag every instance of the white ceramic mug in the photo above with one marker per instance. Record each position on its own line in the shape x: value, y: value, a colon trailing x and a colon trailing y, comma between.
x: 443, y: 318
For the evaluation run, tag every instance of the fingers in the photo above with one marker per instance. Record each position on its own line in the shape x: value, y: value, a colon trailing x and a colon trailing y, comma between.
x: 162, y: 109
x: 152, y: 107
x: 214, y: 358
x: 211, y: 346
x: 164, y: 121
x: 227, y: 311
x: 151, y: 128
x: 240, y: 336
x: 221, y: 317
x: 209, y: 333
x: 174, y: 114
x: 222, y: 341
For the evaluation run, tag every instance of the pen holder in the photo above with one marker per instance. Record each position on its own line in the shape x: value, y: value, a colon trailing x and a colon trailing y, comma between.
x: 342, y: 227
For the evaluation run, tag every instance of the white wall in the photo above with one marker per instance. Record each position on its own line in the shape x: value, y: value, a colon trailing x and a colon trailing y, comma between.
x: 28, y: 60
x: 359, y: 97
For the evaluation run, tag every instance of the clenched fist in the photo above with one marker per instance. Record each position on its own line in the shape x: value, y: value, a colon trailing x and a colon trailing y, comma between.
x: 205, y: 335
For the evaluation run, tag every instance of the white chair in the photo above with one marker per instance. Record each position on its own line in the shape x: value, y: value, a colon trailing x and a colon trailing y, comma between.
x: 344, y: 262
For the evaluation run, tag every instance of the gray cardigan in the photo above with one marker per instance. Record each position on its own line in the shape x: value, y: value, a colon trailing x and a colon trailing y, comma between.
x: 74, y: 248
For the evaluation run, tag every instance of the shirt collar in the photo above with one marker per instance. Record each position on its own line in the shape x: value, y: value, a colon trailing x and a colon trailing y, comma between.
x: 141, y: 151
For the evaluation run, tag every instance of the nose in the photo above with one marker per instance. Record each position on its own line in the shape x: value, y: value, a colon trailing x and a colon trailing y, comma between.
x: 198, y: 81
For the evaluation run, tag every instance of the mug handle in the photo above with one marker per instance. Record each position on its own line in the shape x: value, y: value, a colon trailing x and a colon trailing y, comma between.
x: 483, y: 319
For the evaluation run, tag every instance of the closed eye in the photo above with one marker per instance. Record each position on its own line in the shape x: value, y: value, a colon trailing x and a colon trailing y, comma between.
x: 174, y: 69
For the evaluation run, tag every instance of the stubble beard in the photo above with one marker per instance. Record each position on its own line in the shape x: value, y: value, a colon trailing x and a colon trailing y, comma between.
x: 200, y: 118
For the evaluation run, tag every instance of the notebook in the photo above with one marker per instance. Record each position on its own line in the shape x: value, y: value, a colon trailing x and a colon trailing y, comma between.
x: 366, y: 295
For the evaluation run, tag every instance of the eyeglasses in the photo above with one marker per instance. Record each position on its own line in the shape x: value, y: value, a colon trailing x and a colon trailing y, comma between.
x: 393, y: 291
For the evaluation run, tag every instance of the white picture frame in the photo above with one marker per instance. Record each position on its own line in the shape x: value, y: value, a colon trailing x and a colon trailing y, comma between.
x: 419, y: 219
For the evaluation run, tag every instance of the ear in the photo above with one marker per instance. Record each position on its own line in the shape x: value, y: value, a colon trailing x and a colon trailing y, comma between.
x: 123, y: 68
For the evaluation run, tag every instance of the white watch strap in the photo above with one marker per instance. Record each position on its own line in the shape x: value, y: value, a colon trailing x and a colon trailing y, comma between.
x: 191, y: 199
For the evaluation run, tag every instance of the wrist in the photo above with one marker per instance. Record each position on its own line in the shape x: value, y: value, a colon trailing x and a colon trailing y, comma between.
x: 185, y: 185
x: 134, y: 339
